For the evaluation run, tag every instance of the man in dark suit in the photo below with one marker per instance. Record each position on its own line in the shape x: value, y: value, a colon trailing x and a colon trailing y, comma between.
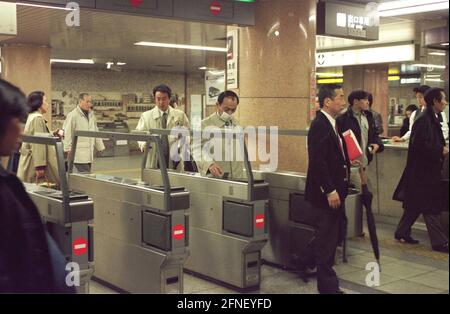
x: 420, y: 187
x: 327, y: 184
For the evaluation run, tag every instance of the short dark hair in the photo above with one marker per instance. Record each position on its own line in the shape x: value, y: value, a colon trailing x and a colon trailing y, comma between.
x: 433, y: 94
x: 370, y: 98
x: 225, y: 94
x: 35, y: 100
x: 411, y: 108
x: 327, y: 91
x: 162, y: 88
x: 13, y: 104
x: 357, y: 95
x: 421, y: 89
x: 82, y: 95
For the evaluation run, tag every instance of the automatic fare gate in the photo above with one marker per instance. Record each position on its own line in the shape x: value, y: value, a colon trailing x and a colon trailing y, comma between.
x: 291, y: 218
x: 140, y: 229
x: 227, y: 226
x: 67, y: 216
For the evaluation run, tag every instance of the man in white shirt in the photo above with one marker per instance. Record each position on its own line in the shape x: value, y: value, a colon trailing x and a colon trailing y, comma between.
x: 420, y: 92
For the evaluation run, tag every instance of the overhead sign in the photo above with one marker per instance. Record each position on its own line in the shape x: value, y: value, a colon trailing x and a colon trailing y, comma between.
x: 346, y: 20
x: 214, y: 84
x: 232, y: 59
x: 401, y: 53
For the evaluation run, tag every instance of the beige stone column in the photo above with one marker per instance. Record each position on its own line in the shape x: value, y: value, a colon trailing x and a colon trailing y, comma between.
x: 28, y: 67
x: 277, y: 72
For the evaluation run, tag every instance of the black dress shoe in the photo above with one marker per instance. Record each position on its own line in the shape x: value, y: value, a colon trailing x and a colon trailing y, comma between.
x: 441, y: 248
x: 340, y: 292
x: 406, y: 239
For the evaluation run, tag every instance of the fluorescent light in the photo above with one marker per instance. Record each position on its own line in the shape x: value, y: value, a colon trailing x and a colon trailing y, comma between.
x: 176, y: 46
x: 444, y: 44
x: 403, y: 7
x: 437, y: 53
x: 203, y: 68
x: 325, y: 74
x: 433, y: 80
x: 432, y: 75
x: 436, y: 66
x: 79, y: 61
x: 330, y: 81
x: 44, y: 6
x: 120, y: 63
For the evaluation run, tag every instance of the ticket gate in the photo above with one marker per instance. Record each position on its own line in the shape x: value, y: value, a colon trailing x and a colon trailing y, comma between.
x: 291, y: 220
x: 140, y: 229
x: 67, y: 216
x: 227, y: 225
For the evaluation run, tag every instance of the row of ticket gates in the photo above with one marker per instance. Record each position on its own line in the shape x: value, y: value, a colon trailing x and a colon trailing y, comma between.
x: 144, y: 234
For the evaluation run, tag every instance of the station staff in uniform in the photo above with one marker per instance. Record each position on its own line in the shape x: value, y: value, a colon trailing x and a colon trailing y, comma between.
x: 420, y: 96
x: 163, y: 116
x: 327, y: 185
x: 82, y: 118
x: 223, y: 118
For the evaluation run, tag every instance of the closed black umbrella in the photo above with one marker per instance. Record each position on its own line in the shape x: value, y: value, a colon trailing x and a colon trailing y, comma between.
x: 367, y: 202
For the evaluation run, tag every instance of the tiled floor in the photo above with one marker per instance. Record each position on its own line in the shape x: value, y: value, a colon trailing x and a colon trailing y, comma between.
x: 404, y: 268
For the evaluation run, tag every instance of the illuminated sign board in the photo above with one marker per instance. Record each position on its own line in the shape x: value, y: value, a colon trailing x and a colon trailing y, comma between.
x: 400, y: 53
x: 338, y: 19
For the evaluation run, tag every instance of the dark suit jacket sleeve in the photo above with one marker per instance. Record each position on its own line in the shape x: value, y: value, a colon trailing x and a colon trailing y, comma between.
x: 319, y: 145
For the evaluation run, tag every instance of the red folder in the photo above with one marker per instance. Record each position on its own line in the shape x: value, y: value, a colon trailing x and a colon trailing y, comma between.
x: 353, y: 149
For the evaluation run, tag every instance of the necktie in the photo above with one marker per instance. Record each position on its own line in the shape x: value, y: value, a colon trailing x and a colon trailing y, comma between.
x: 341, y: 148
x: 165, y: 139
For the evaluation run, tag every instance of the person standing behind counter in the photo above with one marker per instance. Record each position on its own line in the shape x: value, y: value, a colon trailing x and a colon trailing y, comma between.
x: 37, y: 161
x: 408, y: 112
x: 163, y: 116
x: 420, y: 185
x: 420, y: 92
x: 82, y: 118
x: 223, y: 118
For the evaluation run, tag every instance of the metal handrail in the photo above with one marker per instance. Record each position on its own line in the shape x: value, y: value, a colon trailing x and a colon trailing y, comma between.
x: 133, y: 137
x: 59, y: 149
x: 248, y: 166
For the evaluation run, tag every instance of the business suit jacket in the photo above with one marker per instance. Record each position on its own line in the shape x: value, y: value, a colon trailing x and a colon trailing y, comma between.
x: 328, y: 169
x: 420, y: 186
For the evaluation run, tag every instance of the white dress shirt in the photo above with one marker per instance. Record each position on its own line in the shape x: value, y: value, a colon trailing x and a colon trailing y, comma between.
x: 333, y: 124
x: 444, y: 124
